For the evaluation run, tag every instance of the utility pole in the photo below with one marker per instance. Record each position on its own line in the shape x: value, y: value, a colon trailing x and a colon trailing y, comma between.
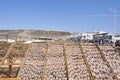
x: 115, y: 15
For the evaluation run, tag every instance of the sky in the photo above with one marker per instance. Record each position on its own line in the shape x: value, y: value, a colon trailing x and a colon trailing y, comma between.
x: 61, y: 15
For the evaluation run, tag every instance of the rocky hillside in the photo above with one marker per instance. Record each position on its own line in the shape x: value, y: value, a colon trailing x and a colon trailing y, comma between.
x: 34, y: 33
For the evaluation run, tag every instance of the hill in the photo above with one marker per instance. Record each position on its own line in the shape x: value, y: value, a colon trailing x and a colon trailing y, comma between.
x: 34, y: 33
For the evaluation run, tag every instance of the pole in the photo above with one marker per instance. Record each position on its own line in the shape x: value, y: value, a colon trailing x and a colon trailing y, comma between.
x: 115, y: 13
x: 115, y: 17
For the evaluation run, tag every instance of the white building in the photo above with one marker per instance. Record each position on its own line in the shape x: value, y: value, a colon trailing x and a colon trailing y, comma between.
x: 115, y: 38
x: 90, y: 35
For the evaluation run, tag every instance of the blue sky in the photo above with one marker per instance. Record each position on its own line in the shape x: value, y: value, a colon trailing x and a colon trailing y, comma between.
x: 64, y: 15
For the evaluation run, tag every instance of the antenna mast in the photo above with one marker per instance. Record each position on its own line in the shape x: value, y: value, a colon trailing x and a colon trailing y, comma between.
x: 115, y: 15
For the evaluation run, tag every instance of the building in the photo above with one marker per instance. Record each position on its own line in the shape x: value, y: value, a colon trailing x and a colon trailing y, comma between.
x: 88, y: 35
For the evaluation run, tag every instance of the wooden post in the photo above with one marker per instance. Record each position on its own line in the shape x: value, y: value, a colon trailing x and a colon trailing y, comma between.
x: 104, y: 58
x: 45, y: 63
x: 16, y: 39
x: 10, y: 70
x: 7, y: 53
x: 20, y: 38
x: 7, y: 38
x: 86, y: 62
x: 65, y: 59
x: 10, y: 64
